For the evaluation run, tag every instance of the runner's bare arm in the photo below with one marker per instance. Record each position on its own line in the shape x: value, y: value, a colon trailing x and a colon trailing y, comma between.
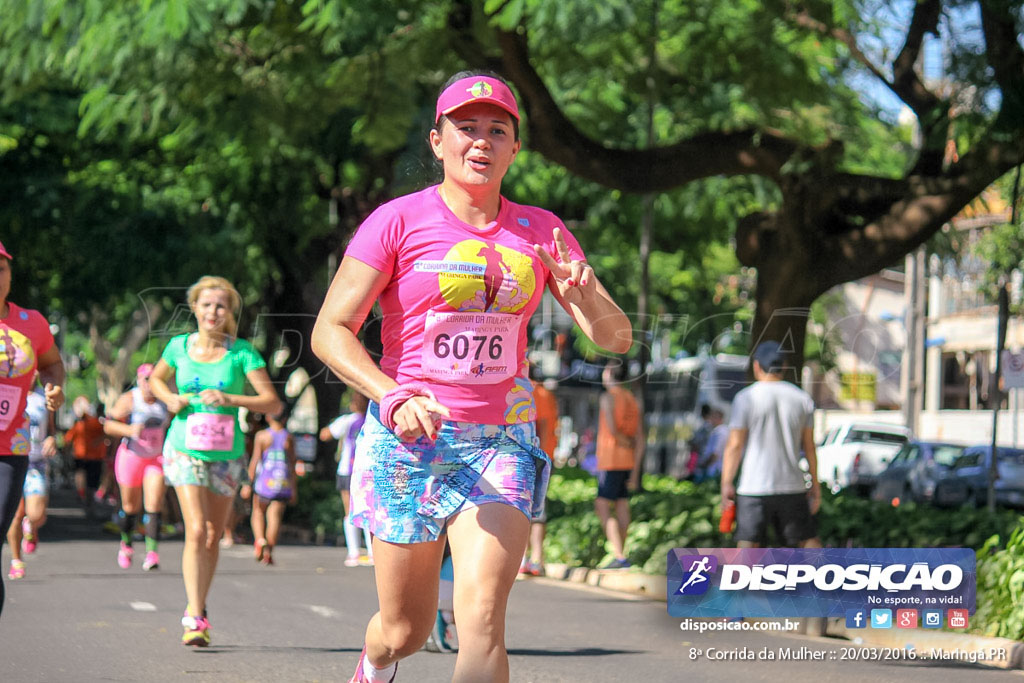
x: 162, y: 373
x: 731, y: 462
x: 51, y: 376
x: 258, y: 447
x: 807, y: 438
x: 115, y: 425
x: 352, y: 294
x: 581, y: 294
x: 349, y: 300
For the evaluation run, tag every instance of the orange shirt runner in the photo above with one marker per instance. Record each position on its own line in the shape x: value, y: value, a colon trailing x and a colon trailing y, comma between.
x: 626, y: 413
x: 88, y: 442
x: 547, y: 418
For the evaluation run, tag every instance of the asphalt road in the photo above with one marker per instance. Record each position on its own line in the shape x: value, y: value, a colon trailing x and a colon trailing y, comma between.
x: 78, y: 617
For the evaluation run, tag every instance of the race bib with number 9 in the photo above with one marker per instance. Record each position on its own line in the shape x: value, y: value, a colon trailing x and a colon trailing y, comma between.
x: 474, y: 348
x: 10, y: 399
x: 210, y: 432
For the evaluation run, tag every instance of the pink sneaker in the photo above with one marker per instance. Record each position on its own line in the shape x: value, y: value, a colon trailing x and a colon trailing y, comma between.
x: 124, y: 556
x: 18, y: 572
x: 357, y: 677
x: 28, y: 540
x: 197, y: 631
x: 151, y: 562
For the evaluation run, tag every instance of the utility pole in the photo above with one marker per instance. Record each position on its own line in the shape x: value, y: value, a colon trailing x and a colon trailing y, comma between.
x: 913, y: 353
x: 646, y: 233
x: 996, y: 392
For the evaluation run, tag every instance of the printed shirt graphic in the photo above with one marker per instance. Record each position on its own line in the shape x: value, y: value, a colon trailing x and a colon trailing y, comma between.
x: 456, y: 309
x: 191, y: 376
x: 24, y: 336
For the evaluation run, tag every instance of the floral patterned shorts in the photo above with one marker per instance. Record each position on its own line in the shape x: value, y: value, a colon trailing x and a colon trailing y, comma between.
x: 223, y: 477
x: 406, y: 492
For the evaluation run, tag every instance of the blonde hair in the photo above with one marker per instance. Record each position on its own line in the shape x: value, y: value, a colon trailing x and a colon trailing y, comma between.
x: 217, y: 282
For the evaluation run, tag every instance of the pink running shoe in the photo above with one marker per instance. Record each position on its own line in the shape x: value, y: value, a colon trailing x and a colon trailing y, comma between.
x: 357, y: 677
x: 28, y: 539
x: 197, y: 631
x: 151, y: 562
x: 124, y: 556
x: 18, y: 571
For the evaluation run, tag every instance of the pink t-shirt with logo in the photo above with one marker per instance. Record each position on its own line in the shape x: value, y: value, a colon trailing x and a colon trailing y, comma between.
x: 456, y: 309
x: 24, y: 336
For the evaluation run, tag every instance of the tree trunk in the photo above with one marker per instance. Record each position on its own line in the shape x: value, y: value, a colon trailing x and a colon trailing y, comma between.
x: 786, y: 256
x: 113, y: 360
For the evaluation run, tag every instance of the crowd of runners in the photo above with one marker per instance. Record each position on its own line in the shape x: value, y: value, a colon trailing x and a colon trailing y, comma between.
x: 441, y: 469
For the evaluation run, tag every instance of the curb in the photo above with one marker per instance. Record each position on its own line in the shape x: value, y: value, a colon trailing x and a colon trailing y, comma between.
x: 1002, y: 653
x: 624, y: 581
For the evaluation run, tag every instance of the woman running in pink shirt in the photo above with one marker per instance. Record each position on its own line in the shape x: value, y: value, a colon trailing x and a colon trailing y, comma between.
x: 449, y: 447
x: 140, y: 420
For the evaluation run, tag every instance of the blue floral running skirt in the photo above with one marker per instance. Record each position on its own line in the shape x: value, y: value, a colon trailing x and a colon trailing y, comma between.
x: 405, y: 492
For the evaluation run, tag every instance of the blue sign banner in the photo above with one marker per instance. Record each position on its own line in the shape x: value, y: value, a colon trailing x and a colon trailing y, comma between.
x: 818, y: 582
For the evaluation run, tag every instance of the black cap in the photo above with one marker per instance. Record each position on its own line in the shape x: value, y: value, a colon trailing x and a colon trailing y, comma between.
x: 771, y: 357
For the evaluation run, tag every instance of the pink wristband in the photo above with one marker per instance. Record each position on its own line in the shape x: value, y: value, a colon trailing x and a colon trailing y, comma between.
x: 394, y: 399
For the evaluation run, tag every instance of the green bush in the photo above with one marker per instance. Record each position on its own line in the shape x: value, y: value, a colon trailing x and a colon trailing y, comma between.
x: 1001, y: 587
x: 318, y: 507
x: 673, y: 514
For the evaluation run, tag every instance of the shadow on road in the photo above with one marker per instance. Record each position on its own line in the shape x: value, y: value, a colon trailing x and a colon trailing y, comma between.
x: 226, y: 649
x: 578, y: 652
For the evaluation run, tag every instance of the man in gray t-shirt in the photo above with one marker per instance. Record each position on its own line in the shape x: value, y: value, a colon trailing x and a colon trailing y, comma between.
x: 771, y: 421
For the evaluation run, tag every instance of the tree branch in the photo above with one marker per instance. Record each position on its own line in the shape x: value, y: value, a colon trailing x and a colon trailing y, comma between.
x: 918, y: 206
x: 650, y: 170
x: 803, y: 19
x: 1006, y: 57
x: 906, y: 83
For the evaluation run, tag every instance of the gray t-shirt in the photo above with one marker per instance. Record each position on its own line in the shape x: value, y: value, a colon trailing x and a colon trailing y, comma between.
x: 774, y: 415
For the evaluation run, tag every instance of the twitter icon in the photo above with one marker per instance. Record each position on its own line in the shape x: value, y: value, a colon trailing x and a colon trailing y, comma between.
x: 881, y: 618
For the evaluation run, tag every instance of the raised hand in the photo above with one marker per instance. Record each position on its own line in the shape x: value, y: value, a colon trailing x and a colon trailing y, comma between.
x: 575, y: 279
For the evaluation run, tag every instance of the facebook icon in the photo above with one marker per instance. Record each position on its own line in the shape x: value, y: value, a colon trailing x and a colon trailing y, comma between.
x: 856, y: 618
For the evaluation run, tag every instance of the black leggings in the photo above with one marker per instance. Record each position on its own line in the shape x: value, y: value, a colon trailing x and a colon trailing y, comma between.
x: 12, y: 482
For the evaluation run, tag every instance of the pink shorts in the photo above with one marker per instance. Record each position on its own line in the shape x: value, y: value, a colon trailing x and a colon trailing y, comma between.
x: 130, y: 469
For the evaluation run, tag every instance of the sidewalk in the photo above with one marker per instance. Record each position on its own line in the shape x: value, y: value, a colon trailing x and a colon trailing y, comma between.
x: 990, y: 651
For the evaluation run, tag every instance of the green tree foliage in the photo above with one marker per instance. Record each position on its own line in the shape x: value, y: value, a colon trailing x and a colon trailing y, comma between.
x: 776, y: 90
x: 249, y: 137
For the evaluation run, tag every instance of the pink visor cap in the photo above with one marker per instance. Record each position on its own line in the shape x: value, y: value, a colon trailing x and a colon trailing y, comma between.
x: 5, y: 253
x: 476, y: 89
x: 145, y: 370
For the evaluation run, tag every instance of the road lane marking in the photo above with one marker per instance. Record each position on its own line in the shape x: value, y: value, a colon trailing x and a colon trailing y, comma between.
x: 325, y: 612
x: 140, y: 606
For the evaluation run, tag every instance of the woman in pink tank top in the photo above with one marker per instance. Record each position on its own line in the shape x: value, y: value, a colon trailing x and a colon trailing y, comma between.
x: 449, y: 448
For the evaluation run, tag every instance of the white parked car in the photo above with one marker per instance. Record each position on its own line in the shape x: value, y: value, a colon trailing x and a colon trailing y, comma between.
x: 853, y: 455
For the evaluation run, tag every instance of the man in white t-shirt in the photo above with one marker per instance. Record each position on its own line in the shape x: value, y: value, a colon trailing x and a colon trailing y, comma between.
x: 771, y: 421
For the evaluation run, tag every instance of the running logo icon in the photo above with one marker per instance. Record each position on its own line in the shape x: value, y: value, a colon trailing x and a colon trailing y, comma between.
x: 697, y: 579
